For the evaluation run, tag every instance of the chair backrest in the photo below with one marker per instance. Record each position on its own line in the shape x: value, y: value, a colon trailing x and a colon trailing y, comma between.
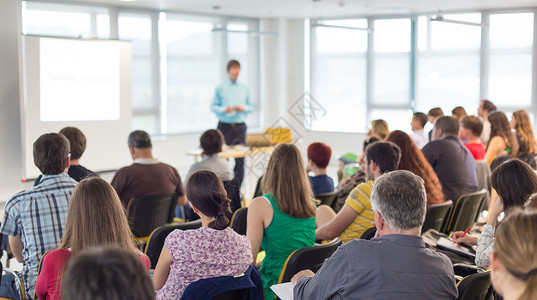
x: 233, y: 193
x: 465, y: 211
x: 483, y: 174
x: 436, y: 216
x: 258, y: 191
x: 238, y: 221
x: 327, y: 198
x: 149, y: 212
x: 475, y: 287
x: 157, y: 237
x: 307, y: 258
x: 369, y: 233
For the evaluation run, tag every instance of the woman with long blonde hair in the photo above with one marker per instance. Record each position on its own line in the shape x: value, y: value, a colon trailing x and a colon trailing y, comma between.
x: 502, y: 140
x: 283, y: 219
x: 521, y: 123
x: 95, y: 218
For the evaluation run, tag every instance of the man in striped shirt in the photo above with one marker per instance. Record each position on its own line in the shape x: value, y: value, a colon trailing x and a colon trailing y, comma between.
x: 356, y: 216
x: 35, y: 219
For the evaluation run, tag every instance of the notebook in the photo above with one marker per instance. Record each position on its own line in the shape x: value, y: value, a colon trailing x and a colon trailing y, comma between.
x: 283, y: 290
x: 447, y: 244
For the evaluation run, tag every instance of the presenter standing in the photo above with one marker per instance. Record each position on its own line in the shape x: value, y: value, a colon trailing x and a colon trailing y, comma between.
x: 232, y: 105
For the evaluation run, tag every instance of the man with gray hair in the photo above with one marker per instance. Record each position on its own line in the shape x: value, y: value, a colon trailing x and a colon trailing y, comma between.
x: 395, y: 264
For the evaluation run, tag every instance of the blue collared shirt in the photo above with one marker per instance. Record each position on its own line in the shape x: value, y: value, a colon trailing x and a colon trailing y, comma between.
x: 231, y: 93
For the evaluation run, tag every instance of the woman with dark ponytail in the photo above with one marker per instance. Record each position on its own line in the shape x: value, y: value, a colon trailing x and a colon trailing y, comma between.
x: 211, y: 251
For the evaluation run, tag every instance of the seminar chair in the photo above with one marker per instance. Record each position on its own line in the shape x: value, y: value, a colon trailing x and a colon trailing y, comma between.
x: 238, y: 221
x: 475, y: 287
x: 19, y: 285
x: 369, y: 233
x: 157, y: 237
x: 307, y: 258
x: 436, y: 216
x: 149, y: 212
x: 465, y: 211
x: 327, y: 198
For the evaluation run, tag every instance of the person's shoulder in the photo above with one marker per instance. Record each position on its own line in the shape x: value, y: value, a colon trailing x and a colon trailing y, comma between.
x: 56, y: 254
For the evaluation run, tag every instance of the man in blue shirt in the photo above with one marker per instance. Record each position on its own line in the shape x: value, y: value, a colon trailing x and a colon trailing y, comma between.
x: 231, y: 105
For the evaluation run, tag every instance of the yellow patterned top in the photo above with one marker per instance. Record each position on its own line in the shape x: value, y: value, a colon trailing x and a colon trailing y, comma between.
x: 359, y: 201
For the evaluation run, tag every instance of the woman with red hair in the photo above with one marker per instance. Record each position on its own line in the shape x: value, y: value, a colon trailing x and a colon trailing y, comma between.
x: 318, y: 159
x: 413, y: 160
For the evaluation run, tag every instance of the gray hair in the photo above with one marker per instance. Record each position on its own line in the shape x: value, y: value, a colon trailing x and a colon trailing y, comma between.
x: 139, y: 139
x: 399, y: 197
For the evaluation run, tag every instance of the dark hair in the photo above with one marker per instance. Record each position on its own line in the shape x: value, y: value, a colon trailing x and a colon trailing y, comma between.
x: 489, y: 106
x: 499, y: 126
x: 515, y: 181
x: 232, y: 63
x: 474, y: 124
x: 414, y: 161
x: 106, y: 274
x: 435, y: 112
x: 211, y: 141
x: 421, y: 117
x: 50, y: 153
x: 369, y: 141
x: 449, y: 125
x: 385, y: 154
x: 77, y: 141
x: 207, y: 193
x: 139, y: 139
x: 320, y: 154
x: 459, y: 112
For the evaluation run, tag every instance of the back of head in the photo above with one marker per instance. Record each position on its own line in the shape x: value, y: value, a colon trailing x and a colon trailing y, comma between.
x: 288, y: 182
x: 77, y: 140
x: 421, y: 117
x: 207, y: 193
x: 474, y: 124
x: 499, y: 126
x: 320, y: 154
x: 399, y: 197
x: 515, y: 246
x: 50, y: 153
x: 515, y: 181
x: 211, y: 141
x: 435, y: 112
x: 96, y: 217
x: 449, y: 125
x: 489, y: 106
x: 140, y: 139
x: 385, y: 154
x: 380, y: 128
x: 459, y: 112
x: 106, y: 274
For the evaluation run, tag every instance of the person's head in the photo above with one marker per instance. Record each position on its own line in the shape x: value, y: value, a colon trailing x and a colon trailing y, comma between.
x: 379, y: 128
x: 531, y: 204
x: 51, y: 153
x: 514, y: 259
x: 399, y: 202
x: 419, y: 120
x: 106, y: 274
x: 96, y: 217
x: 233, y: 70
x: 381, y: 157
x: 522, y: 124
x: 514, y: 181
x: 139, y: 143
x: 211, y: 141
x: 434, y: 114
x: 472, y: 127
x: 444, y: 127
x: 485, y: 108
x: 319, y: 154
x: 366, y: 143
x: 206, y: 192
x: 77, y: 141
x: 288, y: 182
x: 499, y: 126
x: 459, y: 112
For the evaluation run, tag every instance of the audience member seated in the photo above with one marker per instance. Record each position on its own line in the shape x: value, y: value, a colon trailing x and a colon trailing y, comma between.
x: 211, y: 251
x: 459, y: 113
x: 470, y: 131
x: 146, y: 176
x: 106, y: 274
x: 211, y: 142
x: 527, y: 149
x: 485, y: 109
x: 318, y: 159
x: 502, y: 140
x: 413, y: 160
x: 356, y: 215
x: 432, y: 116
x: 514, y: 181
x: 514, y: 259
x: 379, y: 128
x: 34, y: 219
x: 282, y: 220
x: 396, y: 263
x: 452, y: 162
x: 419, y: 136
x: 95, y: 218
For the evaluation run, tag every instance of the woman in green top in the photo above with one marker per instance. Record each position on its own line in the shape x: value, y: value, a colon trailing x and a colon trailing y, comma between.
x: 283, y: 219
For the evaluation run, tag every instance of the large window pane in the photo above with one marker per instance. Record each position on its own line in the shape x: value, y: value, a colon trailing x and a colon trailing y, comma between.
x: 446, y: 36
x: 511, y: 30
x: 510, y: 80
x: 237, y: 42
x: 338, y: 40
x: 392, y: 35
x: 397, y: 119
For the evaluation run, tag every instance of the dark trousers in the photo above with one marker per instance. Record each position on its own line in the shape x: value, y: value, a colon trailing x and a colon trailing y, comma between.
x: 235, y: 134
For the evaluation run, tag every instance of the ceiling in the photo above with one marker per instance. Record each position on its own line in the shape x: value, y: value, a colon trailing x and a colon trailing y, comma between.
x: 315, y: 8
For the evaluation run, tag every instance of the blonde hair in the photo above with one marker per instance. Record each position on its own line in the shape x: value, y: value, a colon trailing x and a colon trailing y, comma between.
x: 515, y: 246
x: 524, y: 128
x: 288, y: 182
x: 96, y: 218
x: 380, y: 128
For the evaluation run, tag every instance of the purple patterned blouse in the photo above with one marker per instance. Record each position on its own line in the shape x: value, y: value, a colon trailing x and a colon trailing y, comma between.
x: 203, y: 253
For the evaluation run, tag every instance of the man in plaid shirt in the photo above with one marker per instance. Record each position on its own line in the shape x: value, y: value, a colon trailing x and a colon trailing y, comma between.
x: 35, y: 219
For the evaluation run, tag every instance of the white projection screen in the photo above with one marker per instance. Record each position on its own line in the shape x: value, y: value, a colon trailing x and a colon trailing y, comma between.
x: 80, y: 83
